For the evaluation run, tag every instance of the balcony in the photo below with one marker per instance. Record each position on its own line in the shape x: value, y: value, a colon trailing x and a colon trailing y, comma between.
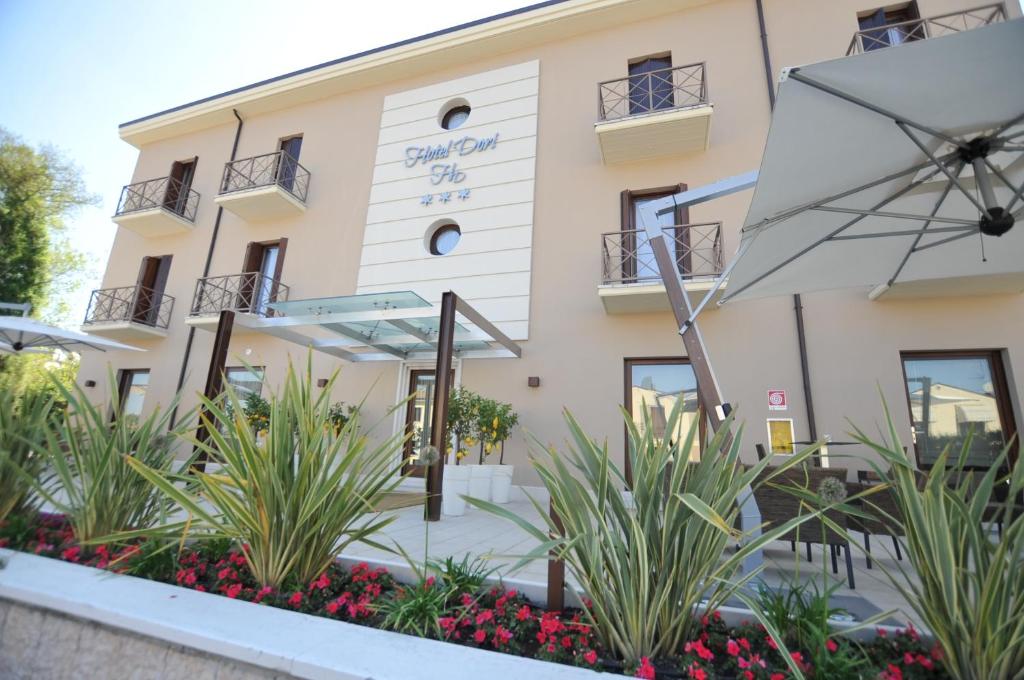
x: 630, y: 280
x: 128, y: 313
x: 889, y: 35
x: 649, y: 115
x: 157, y: 207
x: 267, y: 187
x: 247, y: 294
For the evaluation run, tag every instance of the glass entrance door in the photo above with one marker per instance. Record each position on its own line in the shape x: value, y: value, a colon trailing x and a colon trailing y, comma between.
x: 418, y: 415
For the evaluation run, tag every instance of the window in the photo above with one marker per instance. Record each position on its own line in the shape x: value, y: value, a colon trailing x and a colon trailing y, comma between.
x: 952, y: 393
x: 455, y: 117
x: 650, y: 84
x: 131, y: 390
x: 261, y: 269
x: 888, y: 26
x: 654, y: 387
x: 286, y: 171
x: 445, y: 238
x: 150, y: 291
x: 179, y: 185
x: 245, y: 380
x: 637, y: 259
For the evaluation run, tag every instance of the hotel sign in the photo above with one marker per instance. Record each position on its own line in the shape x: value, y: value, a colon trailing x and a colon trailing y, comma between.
x: 443, y: 164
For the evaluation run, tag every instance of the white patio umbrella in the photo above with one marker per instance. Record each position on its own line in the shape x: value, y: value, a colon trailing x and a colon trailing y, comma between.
x: 900, y: 169
x: 19, y: 334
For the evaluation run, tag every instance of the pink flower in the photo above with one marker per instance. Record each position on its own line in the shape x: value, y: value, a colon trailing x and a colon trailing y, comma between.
x: 777, y: 676
x: 733, y: 648
x: 696, y: 672
x: 484, y: 616
x: 332, y: 607
x: 295, y: 600
x: 590, y: 657
x: 908, y: 658
x: 699, y: 649
x: 831, y: 645
x: 480, y: 635
x: 892, y: 672
x: 646, y: 670
x: 429, y: 583
x: 233, y: 590
x: 747, y: 675
x: 321, y: 582
x: 502, y: 636
x: 71, y: 554
x: 523, y: 613
x: 263, y: 592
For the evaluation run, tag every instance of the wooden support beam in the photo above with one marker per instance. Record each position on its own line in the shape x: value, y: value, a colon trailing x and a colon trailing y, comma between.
x: 556, y: 570
x: 439, y: 415
x: 215, y: 376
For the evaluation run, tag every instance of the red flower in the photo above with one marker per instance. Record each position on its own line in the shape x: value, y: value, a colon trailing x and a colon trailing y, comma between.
x: 321, y: 582
x: 892, y: 672
x: 480, y: 635
x: 936, y: 652
x: 332, y: 607
x: 646, y: 670
x: 429, y: 583
x: 71, y: 554
x: 567, y: 642
x: 796, y: 656
x: 696, y: 672
x: 771, y: 642
x: 925, y: 662
x: 295, y: 600
x: 777, y: 676
x: 745, y: 643
x: 747, y: 675
x: 590, y: 657
x: 908, y: 658
x: 523, y: 613
x: 233, y: 590
x: 698, y: 648
x: 831, y: 645
x: 541, y: 637
x: 484, y: 616
x: 733, y: 648
x: 502, y: 636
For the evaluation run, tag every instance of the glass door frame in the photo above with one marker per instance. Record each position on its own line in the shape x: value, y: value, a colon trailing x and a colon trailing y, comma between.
x: 407, y: 390
x: 1000, y: 388
x: 630, y: 271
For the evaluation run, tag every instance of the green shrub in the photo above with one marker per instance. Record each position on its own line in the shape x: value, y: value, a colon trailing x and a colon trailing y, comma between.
x: 23, y: 422
x: 294, y: 498
x: 648, y: 564
x: 968, y: 589
x: 91, y: 482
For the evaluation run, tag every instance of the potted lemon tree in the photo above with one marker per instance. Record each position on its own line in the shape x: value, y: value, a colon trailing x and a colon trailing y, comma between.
x: 494, y: 424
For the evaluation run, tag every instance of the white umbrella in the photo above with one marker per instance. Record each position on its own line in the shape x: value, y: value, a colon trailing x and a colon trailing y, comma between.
x: 893, y: 169
x: 19, y: 334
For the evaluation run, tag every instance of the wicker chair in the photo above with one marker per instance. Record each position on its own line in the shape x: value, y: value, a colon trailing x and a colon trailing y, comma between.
x: 777, y: 505
x: 886, y: 518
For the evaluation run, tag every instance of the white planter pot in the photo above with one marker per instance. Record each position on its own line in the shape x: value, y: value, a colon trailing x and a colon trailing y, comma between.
x: 454, y: 486
x: 501, y: 482
x: 480, y: 481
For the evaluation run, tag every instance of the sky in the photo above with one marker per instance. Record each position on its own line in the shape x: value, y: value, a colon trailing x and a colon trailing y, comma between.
x: 71, y: 71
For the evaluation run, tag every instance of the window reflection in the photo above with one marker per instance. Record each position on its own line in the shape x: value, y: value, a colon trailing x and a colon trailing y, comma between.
x: 657, y: 386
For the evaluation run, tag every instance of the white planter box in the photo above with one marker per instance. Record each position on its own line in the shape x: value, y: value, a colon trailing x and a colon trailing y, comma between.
x: 480, y: 481
x: 275, y: 639
x: 454, y: 486
x: 501, y: 482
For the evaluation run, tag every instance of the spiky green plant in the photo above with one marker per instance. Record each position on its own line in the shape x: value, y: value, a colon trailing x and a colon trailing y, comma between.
x: 23, y: 423
x: 90, y: 481
x: 294, y: 498
x: 647, y: 565
x: 969, y: 584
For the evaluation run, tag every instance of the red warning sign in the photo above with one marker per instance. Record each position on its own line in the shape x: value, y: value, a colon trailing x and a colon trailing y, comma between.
x: 777, y: 400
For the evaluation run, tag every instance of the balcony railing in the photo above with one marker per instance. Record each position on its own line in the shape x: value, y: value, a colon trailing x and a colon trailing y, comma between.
x: 679, y: 87
x: 270, y: 169
x: 133, y: 304
x: 165, y: 192
x: 921, y: 29
x: 249, y: 292
x: 627, y: 256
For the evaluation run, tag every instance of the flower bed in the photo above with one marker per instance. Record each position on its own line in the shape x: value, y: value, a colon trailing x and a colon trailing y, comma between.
x: 490, y: 618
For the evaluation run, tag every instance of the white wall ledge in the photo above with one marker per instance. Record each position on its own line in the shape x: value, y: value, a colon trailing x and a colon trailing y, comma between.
x: 279, y: 640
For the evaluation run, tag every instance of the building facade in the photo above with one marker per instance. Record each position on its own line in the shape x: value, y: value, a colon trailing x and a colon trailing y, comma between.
x: 505, y: 160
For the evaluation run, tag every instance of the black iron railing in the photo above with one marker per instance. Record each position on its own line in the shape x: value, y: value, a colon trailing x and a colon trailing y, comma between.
x: 248, y: 292
x: 901, y: 32
x: 135, y: 304
x: 267, y: 170
x: 627, y: 256
x: 164, y: 192
x: 679, y: 87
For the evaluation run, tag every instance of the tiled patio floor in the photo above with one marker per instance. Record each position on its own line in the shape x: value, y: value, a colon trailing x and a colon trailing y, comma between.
x: 502, y: 543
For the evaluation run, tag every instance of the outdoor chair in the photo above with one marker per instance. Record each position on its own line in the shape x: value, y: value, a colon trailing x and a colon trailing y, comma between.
x: 778, y: 505
x: 881, y: 506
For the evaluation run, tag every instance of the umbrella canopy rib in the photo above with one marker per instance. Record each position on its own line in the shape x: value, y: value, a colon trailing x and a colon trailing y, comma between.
x: 899, y: 216
x: 935, y: 210
x: 952, y: 178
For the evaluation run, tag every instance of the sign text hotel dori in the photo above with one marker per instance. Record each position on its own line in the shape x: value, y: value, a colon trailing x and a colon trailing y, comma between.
x: 443, y: 163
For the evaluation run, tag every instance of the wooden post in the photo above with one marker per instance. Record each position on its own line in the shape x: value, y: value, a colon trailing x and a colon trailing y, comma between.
x: 556, y: 570
x: 215, y: 376
x: 439, y: 415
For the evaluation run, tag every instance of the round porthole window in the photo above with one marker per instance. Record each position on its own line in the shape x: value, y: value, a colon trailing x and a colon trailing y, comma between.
x: 442, y: 238
x: 455, y: 115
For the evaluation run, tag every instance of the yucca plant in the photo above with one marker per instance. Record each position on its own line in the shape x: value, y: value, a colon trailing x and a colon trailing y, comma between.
x: 23, y: 423
x: 295, y: 497
x: 86, y: 453
x: 969, y: 584
x: 647, y: 565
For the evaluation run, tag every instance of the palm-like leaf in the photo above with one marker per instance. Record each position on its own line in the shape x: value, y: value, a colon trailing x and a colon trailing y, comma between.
x: 22, y: 434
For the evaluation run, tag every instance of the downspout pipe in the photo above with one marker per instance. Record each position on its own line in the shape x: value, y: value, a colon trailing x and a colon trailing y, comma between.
x: 206, y: 272
x: 798, y: 307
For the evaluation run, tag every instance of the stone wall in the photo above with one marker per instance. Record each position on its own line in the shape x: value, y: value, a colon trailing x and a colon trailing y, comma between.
x: 39, y: 644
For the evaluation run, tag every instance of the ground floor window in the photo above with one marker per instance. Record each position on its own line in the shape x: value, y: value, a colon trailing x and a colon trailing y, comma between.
x: 131, y: 387
x: 655, y: 386
x: 245, y: 379
x: 953, y: 393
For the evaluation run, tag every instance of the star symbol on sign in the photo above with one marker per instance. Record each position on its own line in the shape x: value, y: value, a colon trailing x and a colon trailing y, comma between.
x: 427, y: 199
x: 463, y: 194
x: 445, y: 196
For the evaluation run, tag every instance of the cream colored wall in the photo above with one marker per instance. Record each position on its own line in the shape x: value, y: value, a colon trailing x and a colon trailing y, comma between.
x: 575, y: 347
